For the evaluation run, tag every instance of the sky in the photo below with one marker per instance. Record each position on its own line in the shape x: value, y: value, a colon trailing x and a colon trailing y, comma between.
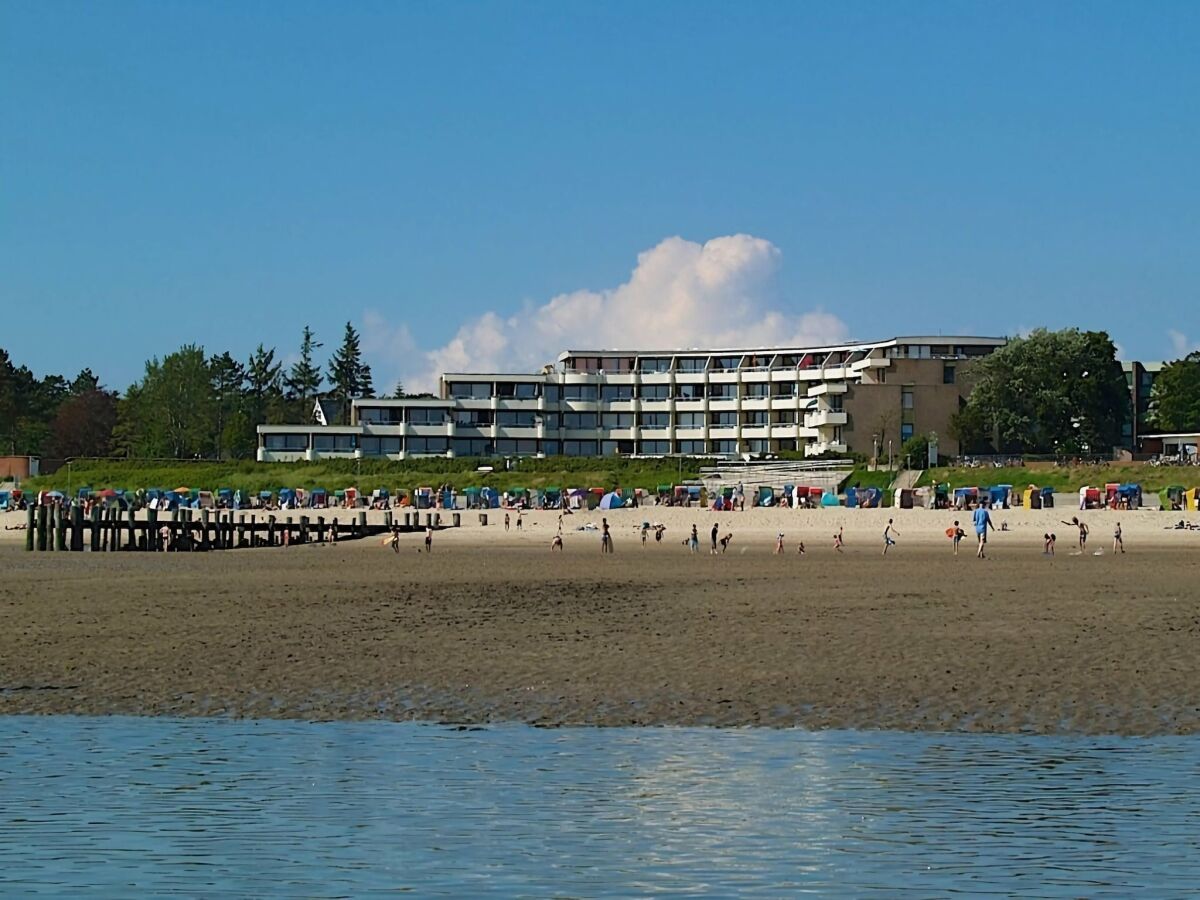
x: 479, y: 186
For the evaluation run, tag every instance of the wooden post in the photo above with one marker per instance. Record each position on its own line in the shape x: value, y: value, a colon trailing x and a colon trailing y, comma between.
x: 270, y: 531
x: 152, y: 529
x: 41, y: 528
x: 304, y: 529
x: 483, y: 518
x: 30, y: 526
x: 56, y: 527
x: 204, y: 515
x: 321, y: 529
x: 94, y: 529
x: 387, y: 520
x: 77, y: 528
x: 241, y: 530
x: 457, y: 519
x: 362, y: 524
x: 253, y: 530
x: 131, y: 524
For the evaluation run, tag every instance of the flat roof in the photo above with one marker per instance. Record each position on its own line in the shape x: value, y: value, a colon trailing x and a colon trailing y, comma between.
x: 776, y: 350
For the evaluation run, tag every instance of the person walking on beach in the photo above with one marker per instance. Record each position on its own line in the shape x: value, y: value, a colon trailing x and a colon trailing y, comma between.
x: 715, y: 533
x: 428, y: 538
x: 506, y: 521
x: 1118, y: 539
x: 605, y: 537
x: 645, y: 533
x: 694, y: 540
x: 395, y: 541
x: 983, y: 521
x: 779, y: 543
x: 518, y: 520
x: 1048, y: 540
x: 1083, y: 532
x: 837, y: 541
x: 887, y: 536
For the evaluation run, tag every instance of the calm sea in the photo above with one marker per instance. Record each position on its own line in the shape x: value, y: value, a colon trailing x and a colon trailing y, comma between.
x: 124, y: 806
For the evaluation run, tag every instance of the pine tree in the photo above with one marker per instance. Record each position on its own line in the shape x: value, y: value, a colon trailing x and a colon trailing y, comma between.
x: 227, y: 377
x: 303, y: 380
x: 349, y: 376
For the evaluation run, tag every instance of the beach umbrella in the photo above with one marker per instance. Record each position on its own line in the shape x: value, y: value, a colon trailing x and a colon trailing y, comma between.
x: 107, y: 493
x: 181, y: 490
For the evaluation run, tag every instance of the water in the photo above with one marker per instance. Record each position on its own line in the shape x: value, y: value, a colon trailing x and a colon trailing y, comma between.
x: 113, y: 806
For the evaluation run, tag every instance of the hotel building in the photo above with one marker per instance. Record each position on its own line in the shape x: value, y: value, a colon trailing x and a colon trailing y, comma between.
x: 860, y: 398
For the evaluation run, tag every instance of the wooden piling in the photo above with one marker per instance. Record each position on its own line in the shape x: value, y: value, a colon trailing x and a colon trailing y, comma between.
x: 30, y: 527
x: 304, y: 529
x: 60, y: 528
x: 457, y: 519
x: 94, y: 529
x: 41, y: 529
x: 131, y: 524
x: 483, y: 518
x: 77, y: 528
x: 321, y: 529
x: 241, y: 530
x: 362, y: 525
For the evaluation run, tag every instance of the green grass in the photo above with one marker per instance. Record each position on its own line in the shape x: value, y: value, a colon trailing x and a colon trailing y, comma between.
x: 864, y: 477
x: 367, y: 475
x: 1067, y: 479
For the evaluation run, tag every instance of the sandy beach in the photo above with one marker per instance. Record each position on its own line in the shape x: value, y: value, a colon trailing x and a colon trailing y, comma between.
x: 492, y: 626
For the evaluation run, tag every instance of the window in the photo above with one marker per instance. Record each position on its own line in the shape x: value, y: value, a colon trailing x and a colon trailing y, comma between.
x: 689, y: 392
x: 613, y: 392
x: 722, y: 391
x: 472, y: 447
x: 785, y: 417
x: 906, y: 431
x: 473, y: 418
x: 690, y: 448
x: 617, y: 420
x: 758, y: 446
x: 655, y: 420
x: 380, y: 446
x: 551, y: 448
x: 836, y: 402
x: 689, y: 420
x: 654, y: 364
x: 656, y: 448
x: 470, y: 390
x: 756, y: 419
x: 517, y: 418
x: 612, y: 448
x: 519, y: 447
x: 579, y: 420
x: 724, y: 447
x: 580, y: 448
x: 726, y: 363
x: 519, y: 390
x: 656, y: 391
x: 552, y: 392
x: 784, y: 389
x: 723, y: 420
x: 579, y: 392
x: 906, y: 399
x: 381, y: 415
x: 758, y: 389
x: 947, y: 374
x: 285, y: 441
x: 428, y: 444
x: 335, y: 443
x: 424, y: 416
x: 691, y: 363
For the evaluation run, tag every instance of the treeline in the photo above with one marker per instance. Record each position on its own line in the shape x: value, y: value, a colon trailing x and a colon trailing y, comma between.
x: 187, y: 405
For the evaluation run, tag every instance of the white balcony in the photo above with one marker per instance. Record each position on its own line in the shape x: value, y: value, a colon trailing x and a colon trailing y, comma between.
x: 823, y: 418
x: 824, y: 447
x: 826, y: 388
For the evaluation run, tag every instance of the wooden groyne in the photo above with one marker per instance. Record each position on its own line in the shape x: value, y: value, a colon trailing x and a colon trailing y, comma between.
x: 59, y: 529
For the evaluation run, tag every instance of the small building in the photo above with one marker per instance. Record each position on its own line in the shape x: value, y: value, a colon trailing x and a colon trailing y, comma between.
x: 15, y: 468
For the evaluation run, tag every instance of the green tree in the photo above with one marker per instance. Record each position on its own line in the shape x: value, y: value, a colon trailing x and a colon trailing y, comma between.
x: 1175, y: 397
x: 915, y: 452
x: 349, y: 376
x: 84, y: 382
x: 83, y: 425
x: 171, y: 412
x: 27, y: 405
x: 303, y: 379
x: 1049, y: 392
x: 227, y: 376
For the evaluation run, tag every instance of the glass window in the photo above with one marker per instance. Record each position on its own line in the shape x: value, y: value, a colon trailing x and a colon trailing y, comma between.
x: 947, y: 374
x: 906, y: 399
x: 472, y: 447
x: 656, y: 448
x: 724, y: 447
x: 551, y: 448
x: 722, y: 391
x: 689, y: 391
x: 335, y: 443
x: 428, y: 444
x: 552, y: 392
x: 656, y: 391
x: 756, y: 419
x: 579, y: 420
x: 726, y: 363
x: 906, y: 431
x: 285, y: 441
x: 654, y: 364
x: 611, y: 392
x: 380, y: 446
x: 470, y: 390
x: 689, y: 420
x: 690, y: 448
x: 617, y: 420
x: 381, y: 415
x: 722, y: 419
x: 519, y: 390
x: 580, y: 448
x: 785, y: 389
x: 691, y: 363
x: 472, y: 418
x: 655, y: 420
x: 579, y: 392
x: 758, y: 445
x: 612, y: 448
x: 517, y: 418
x: 757, y: 389
x: 425, y: 416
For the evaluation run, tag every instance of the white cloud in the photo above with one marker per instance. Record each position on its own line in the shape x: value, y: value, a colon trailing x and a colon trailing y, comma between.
x: 1180, y: 344
x: 680, y: 294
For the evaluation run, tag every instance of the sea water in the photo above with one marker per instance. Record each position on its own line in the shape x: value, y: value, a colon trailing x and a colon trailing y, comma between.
x: 128, y: 806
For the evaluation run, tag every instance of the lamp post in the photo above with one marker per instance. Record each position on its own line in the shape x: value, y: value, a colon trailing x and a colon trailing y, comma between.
x: 889, y: 454
x: 875, y: 450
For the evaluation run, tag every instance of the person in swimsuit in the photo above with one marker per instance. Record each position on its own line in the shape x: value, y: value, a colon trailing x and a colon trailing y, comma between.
x: 556, y: 543
x: 1048, y: 540
x: 957, y: 536
x: 428, y: 538
x: 887, y: 536
x: 1083, y: 532
x: 725, y: 541
x: 1118, y: 539
x: 779, y: 543
x: 837, y: 541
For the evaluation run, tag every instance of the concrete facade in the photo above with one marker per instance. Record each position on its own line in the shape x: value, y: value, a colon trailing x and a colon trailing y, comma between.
x: 816, y: 400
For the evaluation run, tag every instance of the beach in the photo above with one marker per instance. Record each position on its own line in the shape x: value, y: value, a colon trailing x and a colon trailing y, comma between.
x: 493, y: 626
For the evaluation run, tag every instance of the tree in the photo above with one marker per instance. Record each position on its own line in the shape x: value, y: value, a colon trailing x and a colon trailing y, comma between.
x: 398, y: 393
x: 171, y: 412
x: 83, y: 425
x: 303, y: 379
x: 26, y: 407
x: 227, y: 376
x: 1175, y: 397
x: 84, y: 382
x: 915, y: 452
x: 1049, y: 392
x: 349, y: 376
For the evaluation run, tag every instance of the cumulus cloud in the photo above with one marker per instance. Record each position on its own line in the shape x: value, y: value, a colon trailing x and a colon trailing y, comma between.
x: 681, y: 294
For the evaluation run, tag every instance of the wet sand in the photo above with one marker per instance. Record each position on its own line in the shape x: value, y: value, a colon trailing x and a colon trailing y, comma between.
x: 919, y: 640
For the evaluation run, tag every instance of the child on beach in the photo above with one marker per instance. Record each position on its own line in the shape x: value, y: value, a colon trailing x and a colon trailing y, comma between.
x: 956, y: 535
x: 725, y: 541
x: 779, y: 543
x: 1048, y: 545
x: 428, y: 538
x: 887, y: 536
x: 645, y: 533
x: 658, y: 533
x: 395, y: 541
x: 605, y: 537
x: 506, y: 521
x: 800, y: 548
x: 694, y: 541
x: 837, y: 541
x: 556, y: 544
x: 1118, y: 540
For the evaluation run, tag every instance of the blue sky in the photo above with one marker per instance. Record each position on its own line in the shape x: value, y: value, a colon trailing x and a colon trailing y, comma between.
x: 438, y: 173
